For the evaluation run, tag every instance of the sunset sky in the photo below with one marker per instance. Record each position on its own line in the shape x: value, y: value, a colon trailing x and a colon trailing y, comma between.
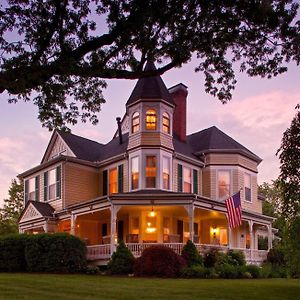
x: 258, y: 114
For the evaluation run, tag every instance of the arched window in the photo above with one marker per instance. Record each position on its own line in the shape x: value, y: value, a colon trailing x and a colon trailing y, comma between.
x: 151, y: 119
x: 166, y: 123
x: 135, y: 123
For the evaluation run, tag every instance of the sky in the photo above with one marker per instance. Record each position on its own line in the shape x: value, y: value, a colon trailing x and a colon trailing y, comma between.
x: 257, y: 116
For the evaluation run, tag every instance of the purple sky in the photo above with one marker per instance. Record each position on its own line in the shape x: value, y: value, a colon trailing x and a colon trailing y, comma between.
x: 258, y: 114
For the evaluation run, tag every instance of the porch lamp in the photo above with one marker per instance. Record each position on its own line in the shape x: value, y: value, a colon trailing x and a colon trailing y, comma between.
x: 152, y: 213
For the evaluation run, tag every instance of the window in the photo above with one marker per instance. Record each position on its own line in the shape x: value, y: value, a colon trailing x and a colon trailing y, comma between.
x: 135, y: 124
x: 247, y: 184
x: 151, y: 119
x: 150, y: 171
x: 134, y: 173
x: 224, y: 184
x: 187, y: 180
x: 166, y: 173
x: 52, y: 184
x: 113, y: 181
x: 31, y: 189
x: 166, y: 123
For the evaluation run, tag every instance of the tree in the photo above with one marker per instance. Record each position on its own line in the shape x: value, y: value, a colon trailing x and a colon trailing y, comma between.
x: 59, y: 52
x: 12, y: 209
x: 289, y: 178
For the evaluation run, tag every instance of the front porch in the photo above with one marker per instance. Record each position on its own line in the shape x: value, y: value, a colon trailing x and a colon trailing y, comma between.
x: 102, y: 253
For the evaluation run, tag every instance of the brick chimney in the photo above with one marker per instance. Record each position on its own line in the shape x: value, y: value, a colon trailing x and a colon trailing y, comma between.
x: 179, y: 94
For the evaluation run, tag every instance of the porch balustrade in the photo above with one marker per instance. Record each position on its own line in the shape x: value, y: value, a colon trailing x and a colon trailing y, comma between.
x: 103, y: 252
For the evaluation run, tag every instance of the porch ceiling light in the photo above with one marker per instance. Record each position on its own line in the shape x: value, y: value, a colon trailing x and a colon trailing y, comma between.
x: 152, y: 213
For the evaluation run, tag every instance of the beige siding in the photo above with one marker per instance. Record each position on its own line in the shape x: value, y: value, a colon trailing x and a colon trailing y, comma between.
x: 81, y: 183
x: 150, y: 139
x: 126, y: 176
x: 175, y: 175
x: 206, y: 183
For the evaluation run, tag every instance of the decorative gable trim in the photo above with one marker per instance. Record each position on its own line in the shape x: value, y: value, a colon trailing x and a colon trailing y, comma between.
x: 30, y: 213
x: 57, y: 146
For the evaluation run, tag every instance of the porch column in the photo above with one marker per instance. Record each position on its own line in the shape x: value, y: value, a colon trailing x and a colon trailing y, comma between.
x: 250, y: 223
x: 73, y: 224
x: 45, y: 227
x: 230, y: 233
x: 113, y: 227
x: 269, y: 236
x: 190, y: 211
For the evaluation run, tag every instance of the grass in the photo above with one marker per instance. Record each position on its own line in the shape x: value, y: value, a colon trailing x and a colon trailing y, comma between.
x: 50, y: 286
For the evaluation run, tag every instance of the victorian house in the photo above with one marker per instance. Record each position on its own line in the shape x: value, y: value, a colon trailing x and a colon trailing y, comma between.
x: 151, y: 184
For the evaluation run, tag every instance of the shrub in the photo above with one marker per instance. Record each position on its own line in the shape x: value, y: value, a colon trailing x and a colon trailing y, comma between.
x: 276, y: 257
x: 211, y: 257
x: 92, y: 270
x: 247, y: 275
x: 12, y: 256
x: 57, y: 252
x: 121, y: 262
x: 195, y: 271
x: 236, y: 258
x: 266, y: 270
x: 191, y: 254
x: 254, y: 270
x: 159, y: 261
x: 230, y: 271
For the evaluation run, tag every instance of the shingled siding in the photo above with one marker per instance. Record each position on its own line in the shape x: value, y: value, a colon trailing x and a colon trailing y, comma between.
x: 231, y: 159
x: 81, y: 183
x: 206, y: 183
x: 150, y: 139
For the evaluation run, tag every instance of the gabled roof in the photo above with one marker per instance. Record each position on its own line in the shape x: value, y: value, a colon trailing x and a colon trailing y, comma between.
x: 45, y: 209
x: 213, y: 140
x: 150, y: 88
x: 82, y: 148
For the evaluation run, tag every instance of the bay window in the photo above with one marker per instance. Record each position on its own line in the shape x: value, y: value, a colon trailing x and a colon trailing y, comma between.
x: 166, y: 123
x: 224, y: 184
x: 247, y: 186
x: 135, y: 173
x: 135, y: 124
x: 166, y: 173
x: 150, y: 171
x: 151, y: 119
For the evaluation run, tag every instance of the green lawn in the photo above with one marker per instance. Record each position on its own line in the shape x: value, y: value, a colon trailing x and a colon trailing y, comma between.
x: 40, y: 286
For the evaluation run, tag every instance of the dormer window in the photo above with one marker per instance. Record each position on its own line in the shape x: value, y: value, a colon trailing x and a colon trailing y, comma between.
x: 135, y: 123
x: 166, y: 123
x: 151, y: 119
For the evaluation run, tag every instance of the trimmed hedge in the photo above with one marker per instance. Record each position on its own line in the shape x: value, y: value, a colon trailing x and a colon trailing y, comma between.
x: 59, y: 253
x: 122, y: 261
x: 159, y: 261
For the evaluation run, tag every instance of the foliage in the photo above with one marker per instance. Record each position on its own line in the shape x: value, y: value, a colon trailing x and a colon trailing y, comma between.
x: 262, y: 242
x: 236, y: 258
x: 276, y: 257
x: 12, y: 254
x: 229, y: 271
x: 92, y: 270
x: 69, y: 47
x: 57, y: 252
x: 12, y: 209
x: 159, y: 261
x: 191, y: 254
x: 210, y: 257
x: 195, y: 271
x: 289, y: 178
x: 122, y: 261
x: 254, y: 270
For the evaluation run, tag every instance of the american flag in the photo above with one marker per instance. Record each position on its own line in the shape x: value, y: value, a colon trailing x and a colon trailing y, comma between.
x: 234, y: 210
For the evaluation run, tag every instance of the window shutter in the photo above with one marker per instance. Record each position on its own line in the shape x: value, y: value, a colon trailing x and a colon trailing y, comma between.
x: 179, y: 179
x: 45, y: 186
x: 104, y: 183
x: 58, y: 182
x: 120, y: 179
x: 195, y: 182
x: 37, y: 188
x: 26, y: 191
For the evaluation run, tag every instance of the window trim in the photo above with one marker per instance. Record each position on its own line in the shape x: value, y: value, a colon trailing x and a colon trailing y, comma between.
x: 192, y: 169
x: 230, y: 183
x: 250, y: 188
x: 135, y: 116
x: 162, y: 172
x: 139, y: 173
x: 58, y: 180
x: 156, y: 169
x: 166, y: 116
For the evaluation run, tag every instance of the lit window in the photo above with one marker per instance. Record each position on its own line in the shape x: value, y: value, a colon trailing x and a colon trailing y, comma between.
x: 113, y: 181
x: 166, y: 173
x: 187, y: 180
x: 166, y: 123
x: 224, y: 184
x: 52, y: 184
x: 135, y: 122
x: 247, y: 181
x: 150, y: 171
x: 31, y: 189
x: 151, y: 119
x: 134, y: 173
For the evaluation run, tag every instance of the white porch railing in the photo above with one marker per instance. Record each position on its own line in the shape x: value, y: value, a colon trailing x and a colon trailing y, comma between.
x: 98, y: 252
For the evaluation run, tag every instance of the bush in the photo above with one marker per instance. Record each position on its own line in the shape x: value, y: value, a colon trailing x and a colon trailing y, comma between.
x: 236, y: 258
x: 230, y: 271
x: 92, y: 270
x: 121, y: 262
x: 272, y: 271
x: 159, y: 261
x: 12, y: 255
x: 254, y: 270
x: 191, y: 254
x: 266, y: 270
x: 59, y: 253
x: 195, y: 271
x: 211, y: 257
x: 276, y: 257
